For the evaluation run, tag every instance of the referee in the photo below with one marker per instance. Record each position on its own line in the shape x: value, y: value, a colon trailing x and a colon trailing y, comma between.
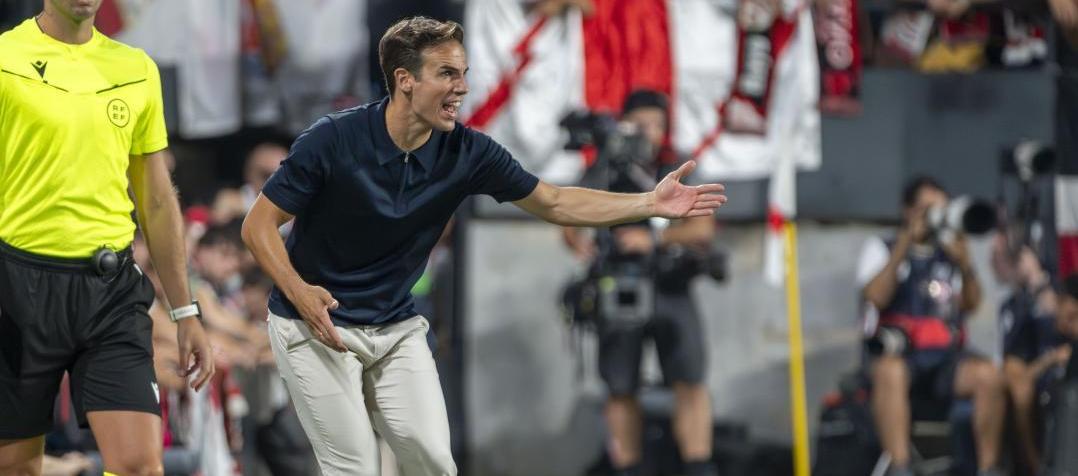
x: 371, y: 189
x: 82, y: 123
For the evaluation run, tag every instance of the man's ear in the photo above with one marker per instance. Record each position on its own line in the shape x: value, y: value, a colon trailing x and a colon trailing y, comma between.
x: 405, y: 80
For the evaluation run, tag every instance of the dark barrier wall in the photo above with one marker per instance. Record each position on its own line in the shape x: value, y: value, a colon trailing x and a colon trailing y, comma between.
x: 950, y: 126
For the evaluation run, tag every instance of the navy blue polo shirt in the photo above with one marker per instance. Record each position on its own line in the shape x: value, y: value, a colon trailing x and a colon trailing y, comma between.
x: 368, y: 214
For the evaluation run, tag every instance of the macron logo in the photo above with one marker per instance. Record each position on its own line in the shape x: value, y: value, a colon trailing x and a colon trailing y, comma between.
x: 39, y: 66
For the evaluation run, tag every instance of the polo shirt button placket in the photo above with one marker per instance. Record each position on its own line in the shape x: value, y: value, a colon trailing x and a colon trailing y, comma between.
x: 405, y: 175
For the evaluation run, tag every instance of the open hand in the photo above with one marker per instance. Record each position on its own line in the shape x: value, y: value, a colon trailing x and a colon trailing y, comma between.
x: 672, y: 199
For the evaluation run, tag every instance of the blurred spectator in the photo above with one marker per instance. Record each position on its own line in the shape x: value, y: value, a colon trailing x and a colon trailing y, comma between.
x: 1067, y: 323
x: 922, y: 288
x: 235, y: 313
x: 959, y: 35
x: 235, y: 292
x: 1065, y: 14
x: 1067, y: 319
x: 217, y: 284
x: 242, y: 350
x: 1063, y: 398
x: 263, y: 160
x: 1032, y: 344
x: 216, y: 259
x: 949, y: 9
x: 272, y: 431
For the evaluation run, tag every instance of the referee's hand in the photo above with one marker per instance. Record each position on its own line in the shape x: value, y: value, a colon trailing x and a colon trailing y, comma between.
x: 314, y: 304
x: 196, y: 355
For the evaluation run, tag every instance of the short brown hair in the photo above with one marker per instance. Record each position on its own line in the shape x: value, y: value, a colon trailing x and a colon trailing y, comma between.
x: 403, y: 43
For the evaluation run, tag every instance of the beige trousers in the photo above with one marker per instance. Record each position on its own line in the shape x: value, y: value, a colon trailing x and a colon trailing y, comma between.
x: 386, y: 383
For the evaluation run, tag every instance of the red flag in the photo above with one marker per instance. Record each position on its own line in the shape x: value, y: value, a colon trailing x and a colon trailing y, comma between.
x: 528, y: 72
x: 109, y: 19
x: 1067, y: 214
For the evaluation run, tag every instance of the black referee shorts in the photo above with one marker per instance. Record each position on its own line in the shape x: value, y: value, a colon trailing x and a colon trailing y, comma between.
x: 56, y: 316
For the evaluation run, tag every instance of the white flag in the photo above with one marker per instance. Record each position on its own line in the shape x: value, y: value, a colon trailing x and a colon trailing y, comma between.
x: 527, y: 72
x: 781, y: 207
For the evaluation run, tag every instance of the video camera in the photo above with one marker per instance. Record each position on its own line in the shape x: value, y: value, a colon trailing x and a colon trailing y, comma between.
x: 620, y: 142
x: 619, y: 289
x: 625, y: 159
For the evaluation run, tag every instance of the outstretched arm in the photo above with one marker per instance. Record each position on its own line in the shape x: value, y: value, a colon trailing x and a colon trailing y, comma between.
x: 575, y: 206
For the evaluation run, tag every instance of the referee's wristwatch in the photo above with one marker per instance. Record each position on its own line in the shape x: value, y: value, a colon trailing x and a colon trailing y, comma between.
x: 183, y: 312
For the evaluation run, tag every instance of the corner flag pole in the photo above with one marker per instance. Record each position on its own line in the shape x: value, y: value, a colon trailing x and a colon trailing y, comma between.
x: 797, y: 362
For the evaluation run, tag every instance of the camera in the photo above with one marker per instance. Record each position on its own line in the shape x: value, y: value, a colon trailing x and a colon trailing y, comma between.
x: 620, y: 144
x: 966, y: 214
x: 1026, y: 160
x: 625, y: 158
x: 627, y: 163
x: 619, y: 289
x: 1026, y: 191
x: 621, y: 294
x: 626, y: 296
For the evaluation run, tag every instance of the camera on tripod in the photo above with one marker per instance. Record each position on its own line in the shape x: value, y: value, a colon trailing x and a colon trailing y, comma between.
x: 1027, y: 160
x: 1027, y: 171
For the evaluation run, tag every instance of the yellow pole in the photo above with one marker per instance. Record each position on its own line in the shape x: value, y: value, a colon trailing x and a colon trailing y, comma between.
x: 797, y: 362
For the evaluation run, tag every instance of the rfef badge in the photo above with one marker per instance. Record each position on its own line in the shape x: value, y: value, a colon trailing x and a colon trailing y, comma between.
x: 119, y: 114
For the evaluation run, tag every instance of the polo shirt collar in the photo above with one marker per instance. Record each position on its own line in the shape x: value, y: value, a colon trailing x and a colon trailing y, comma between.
x: 386, y: 150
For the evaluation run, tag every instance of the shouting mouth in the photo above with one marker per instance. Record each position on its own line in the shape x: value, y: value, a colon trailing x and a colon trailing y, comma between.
x: 451, y: 108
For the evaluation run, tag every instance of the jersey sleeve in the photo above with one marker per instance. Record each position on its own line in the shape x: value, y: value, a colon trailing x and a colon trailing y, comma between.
x: 150, y: 134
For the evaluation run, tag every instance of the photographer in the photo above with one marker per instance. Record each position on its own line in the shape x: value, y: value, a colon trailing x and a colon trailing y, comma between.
x: 1062, y: 408
x: 922, y: 285
x: 637, y: 253
x: 1067, y: 318
x: 1032, y: 343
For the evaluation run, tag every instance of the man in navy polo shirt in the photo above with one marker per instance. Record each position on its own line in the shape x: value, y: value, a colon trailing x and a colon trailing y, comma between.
x: 371, y: 189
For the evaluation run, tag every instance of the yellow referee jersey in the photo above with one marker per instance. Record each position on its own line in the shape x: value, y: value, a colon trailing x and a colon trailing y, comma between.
x: 70, y: 115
